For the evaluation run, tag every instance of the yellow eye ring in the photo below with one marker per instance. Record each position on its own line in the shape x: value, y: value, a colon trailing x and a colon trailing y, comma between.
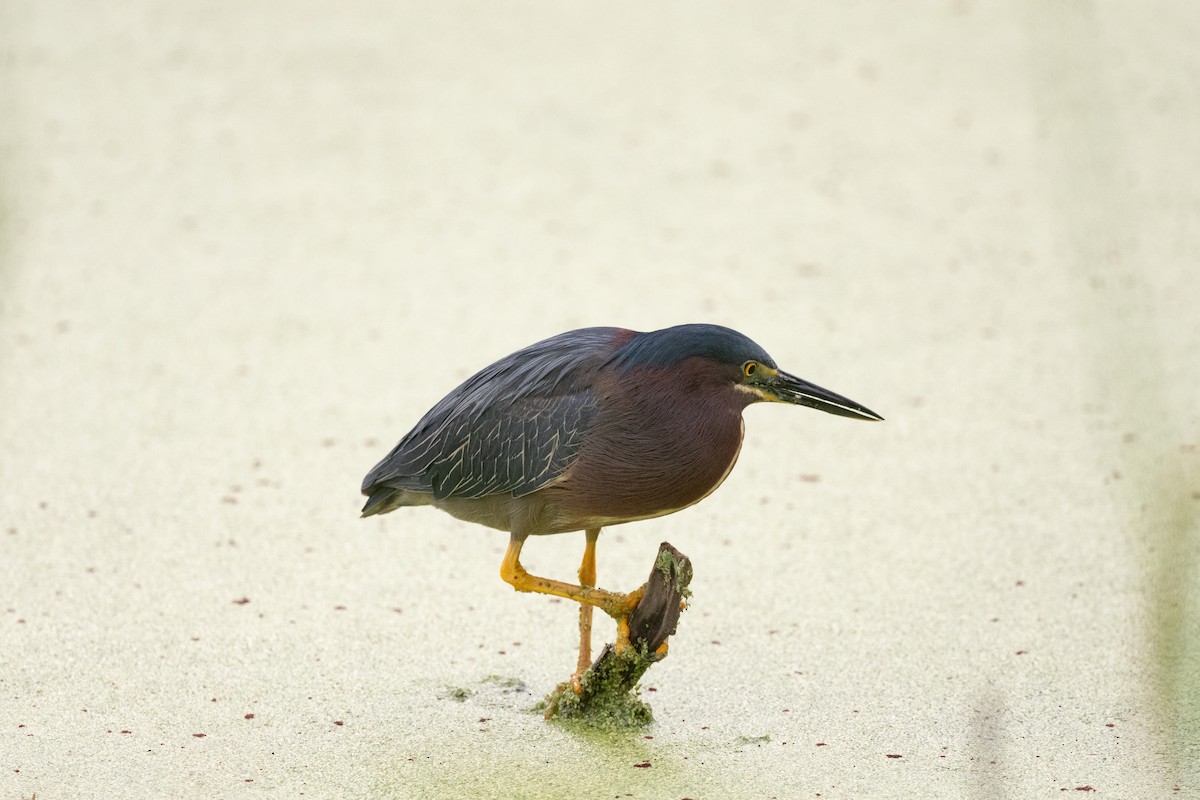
x: 749, y: 368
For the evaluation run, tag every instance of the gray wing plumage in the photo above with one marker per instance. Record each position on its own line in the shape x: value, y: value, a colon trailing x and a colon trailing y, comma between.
x: 511, y: 428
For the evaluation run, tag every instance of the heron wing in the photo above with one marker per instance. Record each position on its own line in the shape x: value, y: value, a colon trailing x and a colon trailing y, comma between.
x: 511, y: 428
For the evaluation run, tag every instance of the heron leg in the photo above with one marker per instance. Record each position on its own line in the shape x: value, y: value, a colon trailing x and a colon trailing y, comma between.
x: 587, y: 579
x: 615, y: 605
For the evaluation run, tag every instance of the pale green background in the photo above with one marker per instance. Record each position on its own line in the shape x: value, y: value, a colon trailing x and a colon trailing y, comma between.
x: 245, y: 245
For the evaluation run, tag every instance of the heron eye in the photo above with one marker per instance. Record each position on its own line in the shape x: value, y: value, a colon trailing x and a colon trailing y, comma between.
x: 749, y: 368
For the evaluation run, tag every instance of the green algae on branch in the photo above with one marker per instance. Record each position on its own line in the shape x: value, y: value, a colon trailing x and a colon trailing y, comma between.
x: 607, y: 700
x: 608, y: 690
x: 676, y: 568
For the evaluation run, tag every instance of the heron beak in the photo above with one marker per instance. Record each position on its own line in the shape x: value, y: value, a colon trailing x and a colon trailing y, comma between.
x: 790, y: 389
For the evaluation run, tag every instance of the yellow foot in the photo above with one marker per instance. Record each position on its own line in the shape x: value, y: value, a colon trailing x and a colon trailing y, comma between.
x: 622, y: 644
x: 630, y: 602
x: 577, y: 684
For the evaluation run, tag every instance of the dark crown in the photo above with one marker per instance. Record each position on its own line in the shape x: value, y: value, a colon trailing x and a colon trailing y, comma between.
x: 672, y: 345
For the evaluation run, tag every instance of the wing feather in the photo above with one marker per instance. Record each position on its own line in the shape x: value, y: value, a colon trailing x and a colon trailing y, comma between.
x: 512, y: 428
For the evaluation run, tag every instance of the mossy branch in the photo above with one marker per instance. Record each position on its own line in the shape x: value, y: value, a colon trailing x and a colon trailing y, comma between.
x: 609, y: 696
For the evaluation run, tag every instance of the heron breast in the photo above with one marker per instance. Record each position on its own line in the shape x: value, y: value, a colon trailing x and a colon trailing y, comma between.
x: 643, y: 466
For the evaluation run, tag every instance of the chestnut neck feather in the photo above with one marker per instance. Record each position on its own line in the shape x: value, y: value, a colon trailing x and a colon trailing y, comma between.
x: 665, y: 439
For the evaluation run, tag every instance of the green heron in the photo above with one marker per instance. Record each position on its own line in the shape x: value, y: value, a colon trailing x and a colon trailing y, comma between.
x: 590, y: 428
